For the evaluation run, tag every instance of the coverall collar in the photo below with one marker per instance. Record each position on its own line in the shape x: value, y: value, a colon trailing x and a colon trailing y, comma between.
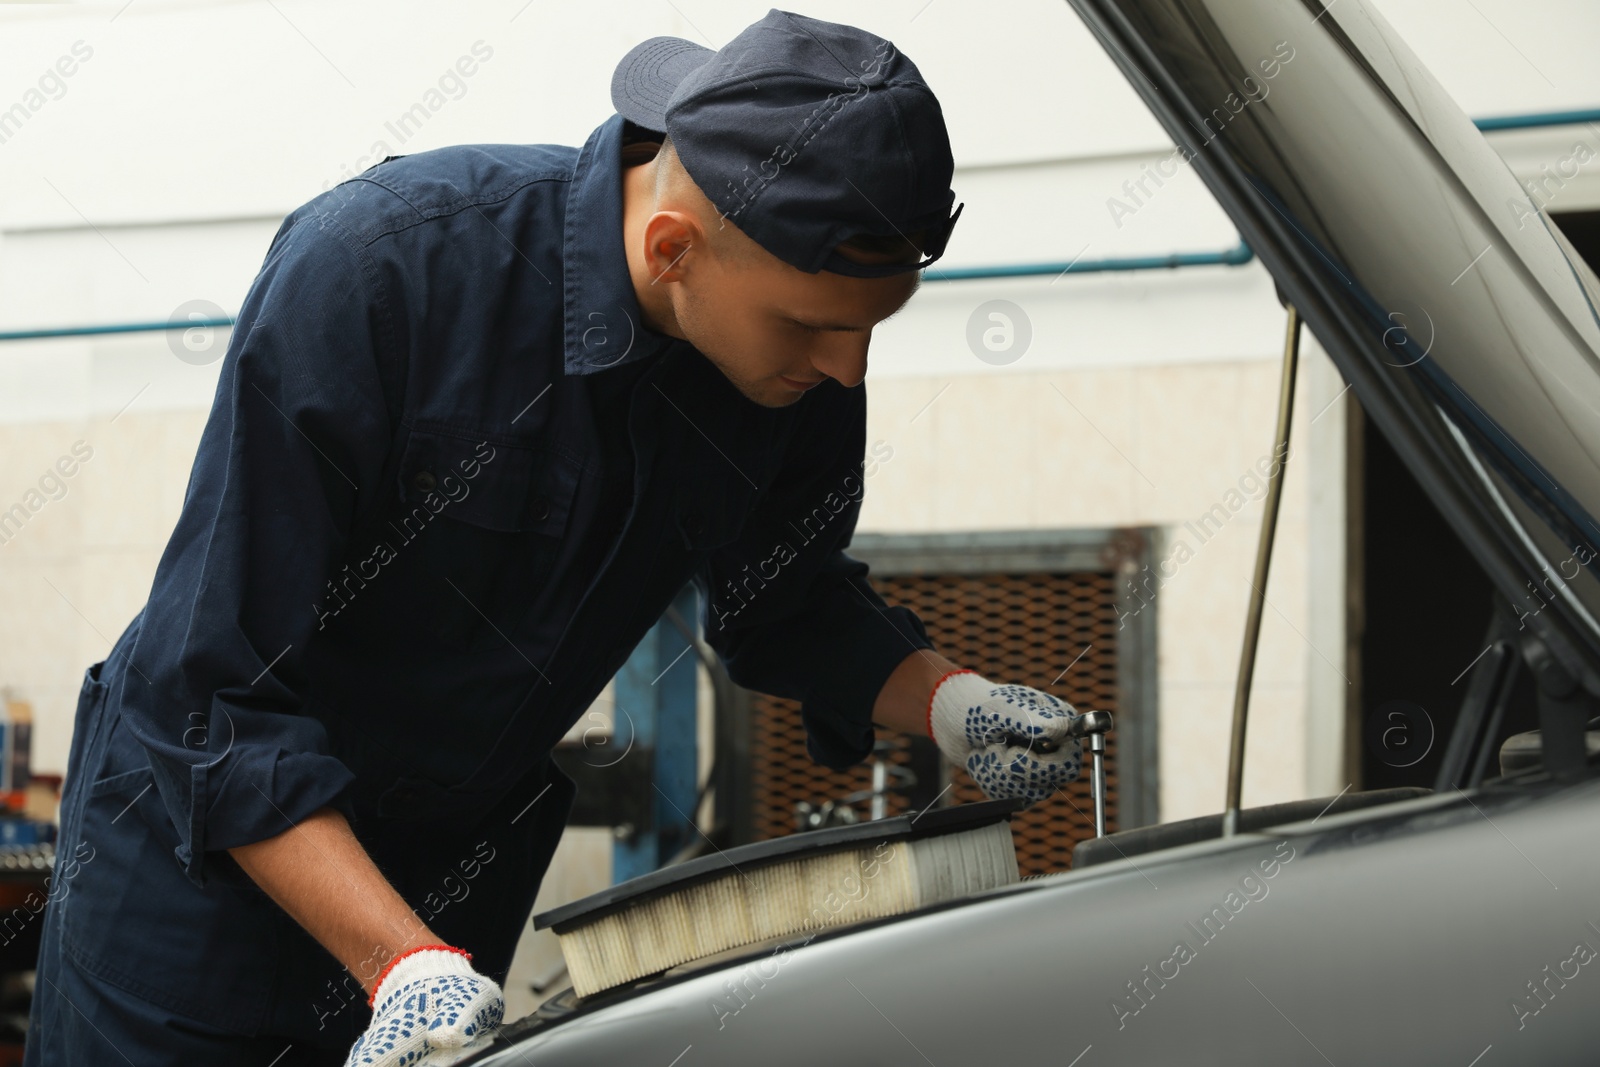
x: 602, y: 323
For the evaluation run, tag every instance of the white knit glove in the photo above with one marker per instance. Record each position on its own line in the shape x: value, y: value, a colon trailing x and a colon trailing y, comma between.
x: 426, y: 1007
x: 1010, y: 738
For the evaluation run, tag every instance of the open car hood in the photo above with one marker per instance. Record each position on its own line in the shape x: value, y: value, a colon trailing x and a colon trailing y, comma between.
x: 1467, y: 330
x: 1462, y: 319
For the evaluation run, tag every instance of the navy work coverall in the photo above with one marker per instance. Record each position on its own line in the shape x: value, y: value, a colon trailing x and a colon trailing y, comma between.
x: 448, y: 481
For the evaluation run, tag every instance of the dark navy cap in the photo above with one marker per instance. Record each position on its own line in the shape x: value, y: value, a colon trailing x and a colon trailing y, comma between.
x: 803, y: 133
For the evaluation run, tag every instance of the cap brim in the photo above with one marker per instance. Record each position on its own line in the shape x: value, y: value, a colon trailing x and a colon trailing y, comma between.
x: 644, y: 80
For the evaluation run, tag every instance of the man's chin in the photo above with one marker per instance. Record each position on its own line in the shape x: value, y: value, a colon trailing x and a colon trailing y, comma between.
x: 766, y: 392
x: 772, y: 396
x: 783, y: 399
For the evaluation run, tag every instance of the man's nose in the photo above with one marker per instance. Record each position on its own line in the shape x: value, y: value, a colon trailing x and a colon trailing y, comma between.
x: 844, y: 358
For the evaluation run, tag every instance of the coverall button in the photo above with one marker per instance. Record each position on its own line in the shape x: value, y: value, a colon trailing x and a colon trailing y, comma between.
x: 424, y: 481
x: 695, y: 524
x: 541, y: 509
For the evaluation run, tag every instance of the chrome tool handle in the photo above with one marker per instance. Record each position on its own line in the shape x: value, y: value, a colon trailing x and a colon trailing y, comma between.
x: 1095, y: 725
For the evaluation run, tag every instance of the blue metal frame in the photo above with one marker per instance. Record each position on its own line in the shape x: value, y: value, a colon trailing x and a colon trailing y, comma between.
x: 656, y: 703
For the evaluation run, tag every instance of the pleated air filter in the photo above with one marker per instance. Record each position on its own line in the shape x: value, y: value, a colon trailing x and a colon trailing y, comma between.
x: 785, y: 886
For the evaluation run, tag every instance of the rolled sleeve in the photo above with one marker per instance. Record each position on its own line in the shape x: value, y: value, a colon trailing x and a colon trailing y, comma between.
x: 789, y: 611
x: 293, y: 449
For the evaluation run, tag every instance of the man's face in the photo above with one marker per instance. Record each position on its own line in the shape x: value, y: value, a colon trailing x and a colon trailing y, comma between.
x: 774, y: 330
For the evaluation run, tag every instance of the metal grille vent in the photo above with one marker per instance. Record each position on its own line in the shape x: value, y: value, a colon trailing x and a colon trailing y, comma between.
x: 1057, y: 631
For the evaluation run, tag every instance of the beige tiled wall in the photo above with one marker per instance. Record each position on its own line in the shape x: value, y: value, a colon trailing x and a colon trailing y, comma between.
x: 78, y: 571
x: 1148, y: 445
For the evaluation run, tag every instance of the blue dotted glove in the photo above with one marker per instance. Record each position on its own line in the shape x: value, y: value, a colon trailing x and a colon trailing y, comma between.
x: 1011, y: 739
x: 426, y: 1008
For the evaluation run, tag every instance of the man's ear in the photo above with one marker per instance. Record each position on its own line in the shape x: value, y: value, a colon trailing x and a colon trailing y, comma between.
x: 669, y: 238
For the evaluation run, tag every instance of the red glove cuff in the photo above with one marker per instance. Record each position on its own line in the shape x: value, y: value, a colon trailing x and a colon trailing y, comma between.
x: 927, y: 719
x: 373, y: 996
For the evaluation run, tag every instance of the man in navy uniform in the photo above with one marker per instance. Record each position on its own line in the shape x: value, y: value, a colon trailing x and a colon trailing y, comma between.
x: 486, y: 410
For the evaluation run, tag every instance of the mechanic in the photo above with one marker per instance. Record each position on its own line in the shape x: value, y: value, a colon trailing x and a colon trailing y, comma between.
x: 487, y: 409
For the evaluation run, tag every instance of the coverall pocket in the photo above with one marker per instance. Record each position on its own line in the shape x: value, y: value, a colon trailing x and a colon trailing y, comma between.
x: 85, y: 727
x: 482, y: 525
x: 132, y: 917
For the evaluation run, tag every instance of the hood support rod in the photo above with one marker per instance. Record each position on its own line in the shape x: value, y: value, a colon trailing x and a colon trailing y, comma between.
x: 1258, y: 587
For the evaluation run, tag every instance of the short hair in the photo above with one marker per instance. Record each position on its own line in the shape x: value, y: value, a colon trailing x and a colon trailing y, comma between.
x: 886, y: 248
x: 728, y: 242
